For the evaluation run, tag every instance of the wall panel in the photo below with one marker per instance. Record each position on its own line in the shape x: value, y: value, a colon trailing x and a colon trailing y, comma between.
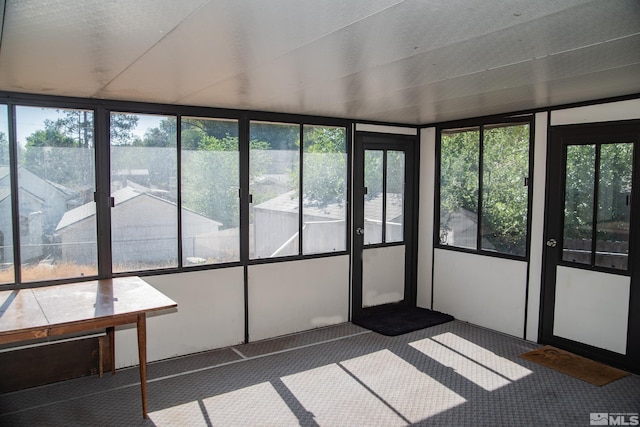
x: 210, y: 315
x: 288, y: 297
x: 426, y: 216
x: 482, y: 290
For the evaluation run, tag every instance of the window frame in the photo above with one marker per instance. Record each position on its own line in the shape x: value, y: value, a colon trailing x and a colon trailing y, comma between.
x: 278, y: 119
x: 102, y: 110
x: 481, y: 124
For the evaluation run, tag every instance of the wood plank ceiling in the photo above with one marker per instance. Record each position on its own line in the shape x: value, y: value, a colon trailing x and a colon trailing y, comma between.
x: 400, y: 61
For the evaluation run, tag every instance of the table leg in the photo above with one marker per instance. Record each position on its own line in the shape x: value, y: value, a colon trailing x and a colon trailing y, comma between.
x: 111, y: 333
x: 142, y: 358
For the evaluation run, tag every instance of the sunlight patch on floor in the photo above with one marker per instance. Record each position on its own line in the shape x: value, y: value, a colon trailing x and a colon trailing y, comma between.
x: 335, y: 398
x: 486, y: 358
x: 412, y: 393
x: 471, y: 361
x: 258, y: 404
x: 188, y: 414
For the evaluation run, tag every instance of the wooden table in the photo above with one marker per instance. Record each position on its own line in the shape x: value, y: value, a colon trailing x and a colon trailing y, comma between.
x: 77, y: 307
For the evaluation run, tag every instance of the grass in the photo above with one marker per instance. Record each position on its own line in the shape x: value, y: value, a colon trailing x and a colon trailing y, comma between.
x: 43, y: 272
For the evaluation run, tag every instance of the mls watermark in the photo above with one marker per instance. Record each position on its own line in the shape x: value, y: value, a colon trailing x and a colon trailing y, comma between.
x: 614, y: 419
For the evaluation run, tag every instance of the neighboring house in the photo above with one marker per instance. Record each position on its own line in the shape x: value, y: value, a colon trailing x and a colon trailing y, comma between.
x: 373, y: 219
x: 461, y: 229
x: 275, y: 225
x: 42, y: 205
x: 149, y: 238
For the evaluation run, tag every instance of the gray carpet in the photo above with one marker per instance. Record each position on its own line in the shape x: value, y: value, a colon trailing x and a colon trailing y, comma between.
x: 450, y: 374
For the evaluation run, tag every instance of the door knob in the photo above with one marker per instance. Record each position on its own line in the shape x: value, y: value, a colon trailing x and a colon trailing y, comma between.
x: 552, y: 243
x: 360, y: 231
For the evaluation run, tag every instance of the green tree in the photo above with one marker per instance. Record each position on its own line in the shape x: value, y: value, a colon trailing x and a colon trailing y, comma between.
x: 76, y: 124
x: 211, y: 168
x: 325, y: 170
x: 613, y: 189
x: 53, y: 156
x: 165, y: 135
x: 505, y: 195
x: 121, y: 129
x: 505, y: 191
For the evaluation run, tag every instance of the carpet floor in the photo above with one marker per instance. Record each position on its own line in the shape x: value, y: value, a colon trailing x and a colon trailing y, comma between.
x: 449, y: 374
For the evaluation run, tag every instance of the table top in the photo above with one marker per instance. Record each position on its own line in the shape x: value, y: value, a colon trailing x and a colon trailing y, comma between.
x: 40, y: 308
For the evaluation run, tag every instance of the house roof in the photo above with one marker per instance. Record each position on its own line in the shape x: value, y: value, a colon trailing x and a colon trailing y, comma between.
x: 4, y: 173
x: 120, y: 196
x: 288, y: 202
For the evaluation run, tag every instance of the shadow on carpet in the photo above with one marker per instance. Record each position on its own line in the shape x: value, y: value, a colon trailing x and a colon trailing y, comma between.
x: 402, y: 320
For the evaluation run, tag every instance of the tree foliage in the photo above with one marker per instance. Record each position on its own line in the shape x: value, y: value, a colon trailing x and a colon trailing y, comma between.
x: 325, y: 166
x: 505, y: 169
x: 613, y: 188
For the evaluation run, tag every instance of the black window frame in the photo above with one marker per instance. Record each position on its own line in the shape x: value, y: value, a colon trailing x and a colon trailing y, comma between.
x: 102, y: 110
x: 481, y: 124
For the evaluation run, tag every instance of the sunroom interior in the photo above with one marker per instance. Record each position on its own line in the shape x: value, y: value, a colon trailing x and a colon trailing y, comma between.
x: 276, y: 167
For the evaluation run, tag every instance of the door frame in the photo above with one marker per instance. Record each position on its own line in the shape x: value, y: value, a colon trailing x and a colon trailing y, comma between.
x: 384, y: 141
x: 559, y: 138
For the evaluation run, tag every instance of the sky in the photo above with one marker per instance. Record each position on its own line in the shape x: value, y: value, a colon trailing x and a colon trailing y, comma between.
x: 31, y: 119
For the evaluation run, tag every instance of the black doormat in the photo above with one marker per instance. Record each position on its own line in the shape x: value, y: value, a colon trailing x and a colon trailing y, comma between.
x: 402, y: 320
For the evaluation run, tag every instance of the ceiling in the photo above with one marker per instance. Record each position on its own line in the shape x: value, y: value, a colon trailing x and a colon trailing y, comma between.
x: 399, y: 61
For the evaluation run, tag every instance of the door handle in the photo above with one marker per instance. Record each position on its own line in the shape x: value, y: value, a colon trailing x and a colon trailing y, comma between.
x: 552, y: 243
x: 360, y: 231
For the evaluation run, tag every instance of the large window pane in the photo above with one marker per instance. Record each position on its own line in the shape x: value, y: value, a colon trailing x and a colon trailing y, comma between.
x: 274, y: 165
x: 505, y: 170
x: 373, y: 205
x: 144, y: 220
x: 614, y: 207
x: 56, y: 177
x: 210, y: 198
x: 395, y: 197
x: 324, y: 189
x: 578, y: 203
x: 6, y: 222
x: 459, y: 165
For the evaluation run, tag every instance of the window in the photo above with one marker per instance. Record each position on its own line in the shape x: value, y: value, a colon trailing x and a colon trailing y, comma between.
x: 6, y: 222
x: 144, y: 185
x: 600, y: 176
x: 56, y: 178
x: 173, y: 187
x: 484, y: 194
x: 274, y: 165
x: 275, y: 180
x: 384, y: 174
x: 325, y: 189
x: 210, y: 183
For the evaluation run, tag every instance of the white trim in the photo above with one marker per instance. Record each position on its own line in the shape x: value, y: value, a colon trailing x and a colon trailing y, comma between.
x: 426, y: 216
x: 613, y: 111
x: 363, y: 127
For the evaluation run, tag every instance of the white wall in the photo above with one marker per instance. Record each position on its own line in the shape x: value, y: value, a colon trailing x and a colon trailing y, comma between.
x: 383, y: 275
x: 425, y: 218
x: 288, y: 297
x: 486, y: 291
x: 284, y: 298
x: 592, y: 308
x: 612, y: 111
x: 210, y: 315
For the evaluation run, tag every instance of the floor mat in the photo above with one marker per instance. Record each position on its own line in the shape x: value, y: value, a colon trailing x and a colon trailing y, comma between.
x: 402, y: 320
x: 576, y: 366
